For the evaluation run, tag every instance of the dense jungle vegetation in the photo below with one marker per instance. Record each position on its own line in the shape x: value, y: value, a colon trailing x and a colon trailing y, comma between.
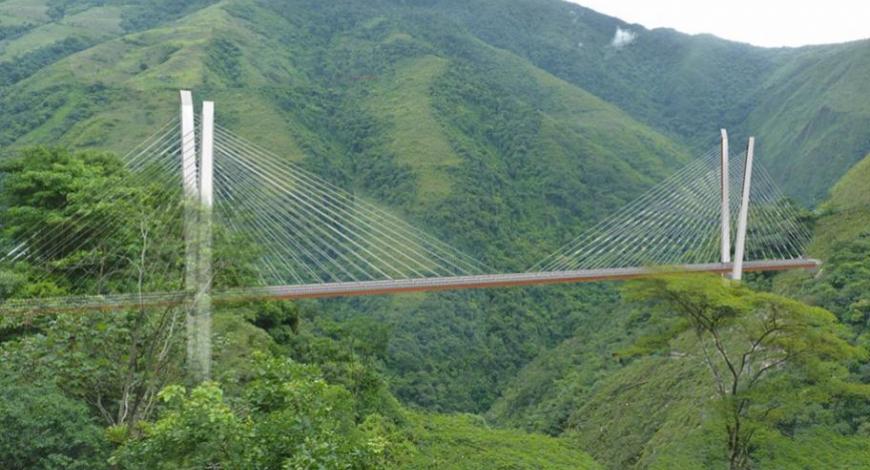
x: 502, y: 127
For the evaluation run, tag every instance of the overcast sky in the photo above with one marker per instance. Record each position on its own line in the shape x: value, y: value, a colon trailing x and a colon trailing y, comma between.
x: 769, y: 23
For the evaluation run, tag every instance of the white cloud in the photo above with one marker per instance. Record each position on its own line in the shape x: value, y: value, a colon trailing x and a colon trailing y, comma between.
x: 622, y: 37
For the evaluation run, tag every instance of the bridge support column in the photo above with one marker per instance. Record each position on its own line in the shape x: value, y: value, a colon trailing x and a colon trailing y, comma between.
x: 197, y: 234
x: 740, y: 243
x: 200, y: 335
x: 725, y: 231
x: 191, y: 209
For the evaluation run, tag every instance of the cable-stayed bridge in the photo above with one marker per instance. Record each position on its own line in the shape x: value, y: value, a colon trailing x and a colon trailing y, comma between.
x: 306, y: 237
x: 198, y: 215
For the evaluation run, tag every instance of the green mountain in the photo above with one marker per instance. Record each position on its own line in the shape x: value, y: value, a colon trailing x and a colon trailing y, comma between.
x: 842, y: 239
x: 654, y: 411
x: 492, y: 154
x: 846, y: 213
x: 812, y: 117
x: 808, y: 106
x: 504, y: 127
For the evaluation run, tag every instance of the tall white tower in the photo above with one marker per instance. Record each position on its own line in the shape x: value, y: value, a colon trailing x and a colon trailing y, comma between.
x: 742, y: 218
x: 198, y: 187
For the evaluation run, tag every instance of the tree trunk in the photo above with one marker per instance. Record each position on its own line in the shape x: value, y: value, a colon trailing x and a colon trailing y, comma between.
x: 738, y: 455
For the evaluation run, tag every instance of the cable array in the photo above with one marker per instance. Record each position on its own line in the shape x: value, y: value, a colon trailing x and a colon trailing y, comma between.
x: 114, y: 238
x: 678, y: 220
x: 309, y: 231
x: 123, y: 244
x: 126, y: 245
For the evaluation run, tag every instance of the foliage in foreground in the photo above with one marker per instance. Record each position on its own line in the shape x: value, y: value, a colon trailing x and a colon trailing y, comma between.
x: 286, y: 417
x: 770, y: 357
x: 289, y: 417
x: 42, y: 429
x: 122, y: 369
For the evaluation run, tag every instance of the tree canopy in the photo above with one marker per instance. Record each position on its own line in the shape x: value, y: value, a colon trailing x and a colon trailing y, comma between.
x: 756, y: 346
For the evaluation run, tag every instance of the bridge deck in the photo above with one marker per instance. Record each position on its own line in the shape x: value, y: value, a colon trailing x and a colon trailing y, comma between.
x: 348, y: 289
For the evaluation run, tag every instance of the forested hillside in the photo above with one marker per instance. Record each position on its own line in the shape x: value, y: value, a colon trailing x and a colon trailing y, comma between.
x: 496, y: 156
x: 630, y: 408
x: 503, y: 127
x: 808, y: 106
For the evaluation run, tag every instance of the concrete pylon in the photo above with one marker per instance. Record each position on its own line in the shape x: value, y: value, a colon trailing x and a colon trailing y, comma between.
x: 198, y: 187
x: 725, y: 224
x: 191, y: 195
x: 201, y: 360
x: 740, y: 243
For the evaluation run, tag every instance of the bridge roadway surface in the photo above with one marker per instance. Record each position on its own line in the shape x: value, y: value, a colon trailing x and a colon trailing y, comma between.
x: 347, y: 289
x: 397, y: 286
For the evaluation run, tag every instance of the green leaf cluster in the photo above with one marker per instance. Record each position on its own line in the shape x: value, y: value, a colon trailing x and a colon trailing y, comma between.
x: 286, y: 417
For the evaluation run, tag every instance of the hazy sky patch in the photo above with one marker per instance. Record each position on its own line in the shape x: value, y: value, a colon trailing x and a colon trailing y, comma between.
x: 770, y: 23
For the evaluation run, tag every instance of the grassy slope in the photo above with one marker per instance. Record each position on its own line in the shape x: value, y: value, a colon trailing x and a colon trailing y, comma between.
x: 416, y: 137
x: 651, y: 413
x: 466, y: 442
x: 846, y: 214
x: 545, y: 393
